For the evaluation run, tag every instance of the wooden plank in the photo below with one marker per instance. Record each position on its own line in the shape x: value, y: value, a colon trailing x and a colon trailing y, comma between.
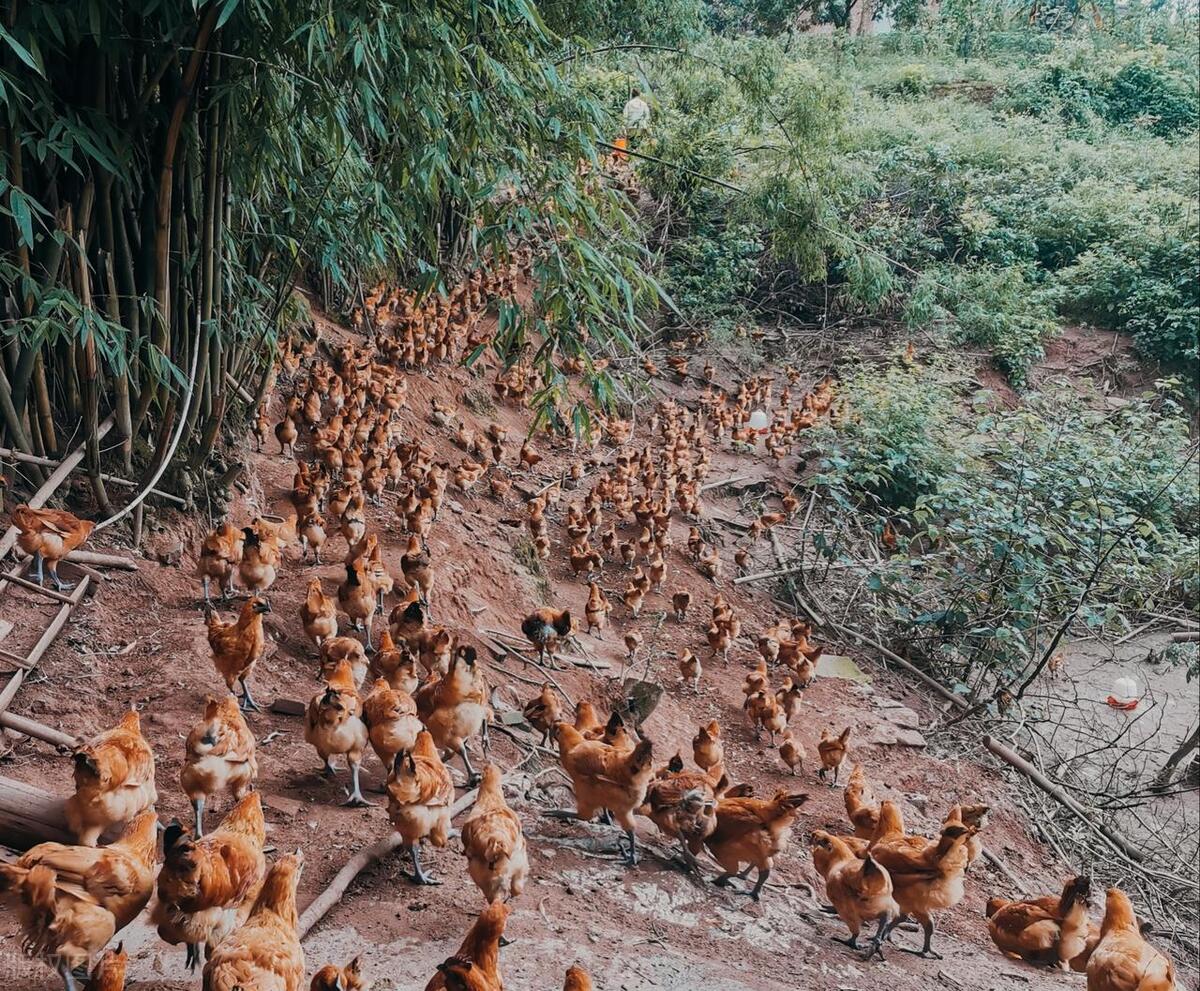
x: 6, y: 628
x: 47, y: 638
x: 15, y: 578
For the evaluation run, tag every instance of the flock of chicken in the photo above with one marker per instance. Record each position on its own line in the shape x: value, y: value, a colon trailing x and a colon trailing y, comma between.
x: 420, y: 695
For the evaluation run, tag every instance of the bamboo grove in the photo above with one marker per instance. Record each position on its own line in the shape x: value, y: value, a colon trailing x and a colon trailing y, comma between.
x: 171, y: 172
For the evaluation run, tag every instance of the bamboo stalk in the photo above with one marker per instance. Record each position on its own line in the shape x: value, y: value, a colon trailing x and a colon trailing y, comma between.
x: 125, y: 483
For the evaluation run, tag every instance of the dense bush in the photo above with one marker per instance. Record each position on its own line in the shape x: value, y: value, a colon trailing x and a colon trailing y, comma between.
x: 1005, y: 516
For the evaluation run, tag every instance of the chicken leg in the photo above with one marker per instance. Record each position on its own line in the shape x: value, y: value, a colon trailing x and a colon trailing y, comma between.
x: 355, y: 799
x: 247, y: 702
x: 418, y: 875
x: 198, y: 813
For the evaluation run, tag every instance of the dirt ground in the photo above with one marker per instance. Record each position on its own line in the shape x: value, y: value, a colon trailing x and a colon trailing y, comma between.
x: 141, y: 640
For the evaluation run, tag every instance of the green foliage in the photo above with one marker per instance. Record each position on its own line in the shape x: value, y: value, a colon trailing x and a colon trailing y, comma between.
x: 1005, y: 516
x: 709, y: 274
x: 997, y: 309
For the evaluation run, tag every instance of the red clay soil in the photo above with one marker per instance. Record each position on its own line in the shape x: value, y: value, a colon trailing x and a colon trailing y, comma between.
x: 141, y: 641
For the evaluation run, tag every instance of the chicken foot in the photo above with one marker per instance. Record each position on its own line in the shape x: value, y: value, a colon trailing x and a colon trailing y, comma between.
x: 246, y: 701
x: 355, y: 796
x: 926, y: 950
x: 418, y: 875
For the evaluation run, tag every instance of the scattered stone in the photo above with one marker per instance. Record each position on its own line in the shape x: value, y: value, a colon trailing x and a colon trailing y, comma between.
x: 169, y: 553
x: 287, y: 806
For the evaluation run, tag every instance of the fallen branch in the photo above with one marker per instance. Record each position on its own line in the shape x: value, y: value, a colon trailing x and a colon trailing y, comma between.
x: 98, y: 560
x: 763, y: 575
x: 1018, y: 762
x: 38, y: 731
x: 721, y: 483
x: 319, y: 907
x: 8, y: 452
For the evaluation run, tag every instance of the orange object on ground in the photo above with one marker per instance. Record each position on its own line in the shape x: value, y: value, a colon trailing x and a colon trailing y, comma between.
x: 621, y: 144
x: 1123, y: 706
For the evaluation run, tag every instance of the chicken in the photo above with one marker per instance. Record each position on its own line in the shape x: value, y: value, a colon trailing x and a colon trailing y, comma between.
x: 356, y: 596
x: 285, y: 430
x: 926, y: 877
x: 606, y: 777
x: 689, y: 668
x: 334, y: 978
x: 707, y: 749
x: 832, y: 750
x: 420, y: 793
x: 71, y: 900
x: 679, y: 605
x: 752, y: 831
x: 318, y: 614
x: 390, y: 715
x: 493, y: 842
x: 207, y: 885
x: 587, y: 722
x: 455, y: 707
x: 476, y: 965
x: 791, y: 751
x: 220, y: 554
x: 544, y: 628
x: 1122, y: 959
x: 395, y: 664
x: 633, y: 642
x: 260, y: 561
x: 312, y: 535
x: 544, y: 711
x: 219, y: 757
x: 1044, y: 930
x: 683, y: 805
x: 237, y: 646
x: 860, y: 890
x: 337, y: 649
x: 109, y: 974
x: 597, y: 609
x: 334, y: 725
x: 49, y: 535
x: 264, y: 953
x: 417, y: 566
x: 577, y: 979
x: 114, y: 781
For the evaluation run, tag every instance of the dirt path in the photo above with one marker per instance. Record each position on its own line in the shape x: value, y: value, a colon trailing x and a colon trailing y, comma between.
x: 142, y: 641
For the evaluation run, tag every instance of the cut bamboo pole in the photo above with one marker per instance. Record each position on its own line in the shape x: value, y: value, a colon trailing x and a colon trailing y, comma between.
x: 33, y: 459
x: 36, y: 730
x: 29, y: 815
x: 47, y: 638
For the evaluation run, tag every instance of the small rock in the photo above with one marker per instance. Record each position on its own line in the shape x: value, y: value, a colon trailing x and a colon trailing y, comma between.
x: 910, y: 738
x: 455, y: 507
x: 288, y: 806
x: 169, y: 554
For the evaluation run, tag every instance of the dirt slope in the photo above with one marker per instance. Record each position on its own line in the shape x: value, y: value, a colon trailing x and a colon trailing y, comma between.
x: 142, y: 641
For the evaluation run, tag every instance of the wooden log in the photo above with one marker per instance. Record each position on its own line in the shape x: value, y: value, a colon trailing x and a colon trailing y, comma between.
x: 763, y: 575
x: 1018, y: 762
x: 319, y: 907
x: 39, y: 648
x: 1189, y: 637
x: 29, y: 815
x: 86, y: 560
x: 237, y: 387
x: 38, y: 731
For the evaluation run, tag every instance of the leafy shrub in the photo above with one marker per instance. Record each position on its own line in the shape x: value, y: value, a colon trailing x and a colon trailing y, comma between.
x: 1147, y: 286
x: 996, y: 308
x: 1146, y: 93
x: 709, y: 273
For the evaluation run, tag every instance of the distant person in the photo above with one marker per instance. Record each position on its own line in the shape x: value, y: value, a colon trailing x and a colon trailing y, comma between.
x: 636, y: 119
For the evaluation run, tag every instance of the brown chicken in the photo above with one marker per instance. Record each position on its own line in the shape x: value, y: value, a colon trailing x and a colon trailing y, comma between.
x: 476, y: 965
x: 318, y: 614
x: 597, y: 609
x: 752, y: 831
x: 237, y: 646
x: 926, y: 878
x: 337, y: 649
x: 71, y: 900
x: 606, y: 777
x: 832, y: 750
x: 1122, y: 959
x: 49, y: 535
x: 861, y: 806
x: 356, y: 596
x: 395, y: 664
x: 707, y: 749
x: 420, y: 793
x: 207, y: 885
x: 577, y: 979
x: 544, y: 628
x: 390, y: 715
x: 260, y: 561
x: 109, y: 974
x: 683, y: 805
x: 264, y: 952
x: 219, y: 757
x: 1044, y: 930
x: 860, y: 890
x: 455, y: 707
x: 544, y: 711
x: 334, y: 726
x: 417, y: 566
x: 493, y: 842
x: 220, y: 554
x: 334, y: 978
x: 114, y: 780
